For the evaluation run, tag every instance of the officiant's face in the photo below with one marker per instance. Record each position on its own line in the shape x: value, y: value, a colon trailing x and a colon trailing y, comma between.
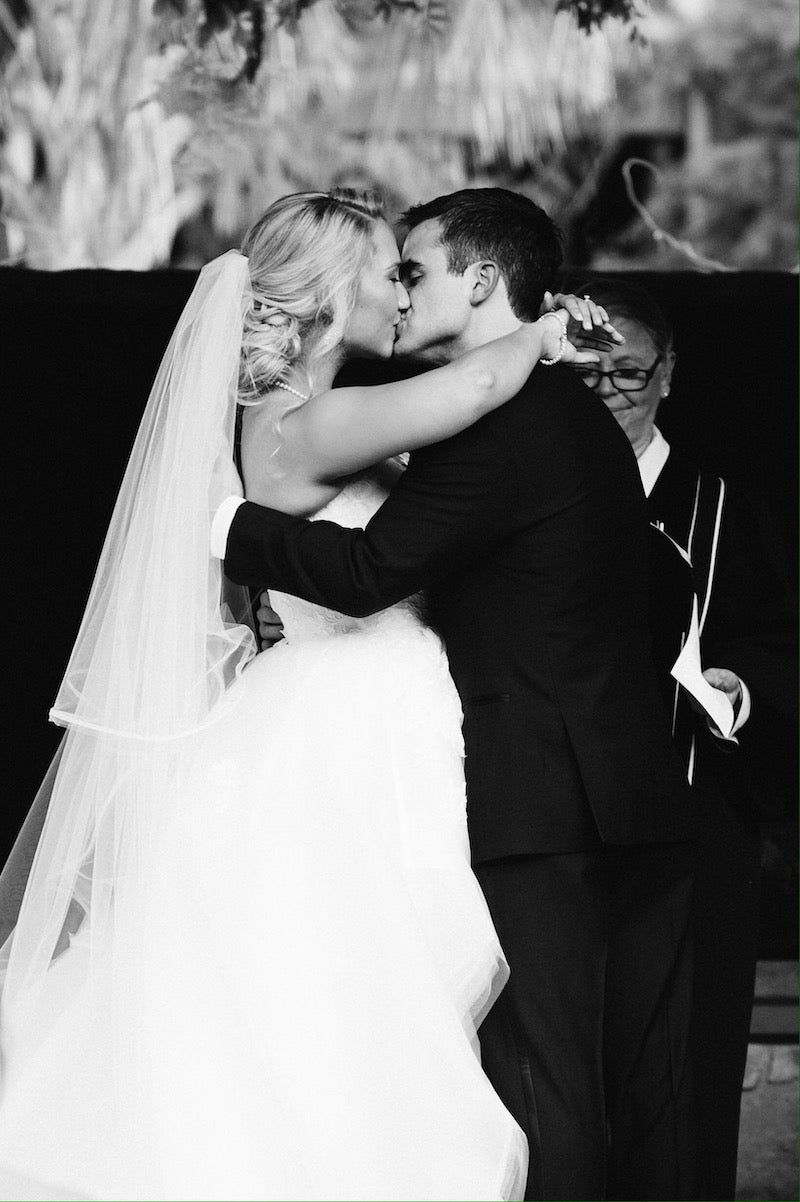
x: 440, y: 310
x: 640, y: 379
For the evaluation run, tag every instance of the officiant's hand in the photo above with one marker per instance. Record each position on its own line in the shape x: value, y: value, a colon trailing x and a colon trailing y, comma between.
x: 270, y: 626
x: 730, y: 684
x: 727, y: 682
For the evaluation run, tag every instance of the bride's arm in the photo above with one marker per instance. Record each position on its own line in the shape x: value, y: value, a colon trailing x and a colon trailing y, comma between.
x: 347, y: 429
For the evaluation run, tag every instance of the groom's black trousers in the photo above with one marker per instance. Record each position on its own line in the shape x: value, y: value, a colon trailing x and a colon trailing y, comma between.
x: 588, y: 1043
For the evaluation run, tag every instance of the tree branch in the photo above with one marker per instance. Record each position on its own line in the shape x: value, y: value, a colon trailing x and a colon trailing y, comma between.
x: 659, y: 234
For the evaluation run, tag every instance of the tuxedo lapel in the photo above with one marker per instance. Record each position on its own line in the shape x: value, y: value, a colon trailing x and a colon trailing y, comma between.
x: 671, y: 500
x: 689, y: 505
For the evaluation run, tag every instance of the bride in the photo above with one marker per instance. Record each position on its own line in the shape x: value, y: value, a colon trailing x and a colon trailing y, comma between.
x: 251, y: 957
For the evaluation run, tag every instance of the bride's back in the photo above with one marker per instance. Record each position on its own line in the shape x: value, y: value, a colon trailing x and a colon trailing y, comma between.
x: 275, y: 472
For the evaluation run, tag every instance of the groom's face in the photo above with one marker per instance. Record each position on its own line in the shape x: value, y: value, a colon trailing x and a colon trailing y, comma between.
x: 440, y: 310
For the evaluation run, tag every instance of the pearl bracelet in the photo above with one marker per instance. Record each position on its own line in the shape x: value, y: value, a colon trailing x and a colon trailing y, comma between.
x: 562, y: 342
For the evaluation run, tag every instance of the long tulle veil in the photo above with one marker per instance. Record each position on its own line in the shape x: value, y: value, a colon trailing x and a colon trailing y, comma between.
x: 156, y: 652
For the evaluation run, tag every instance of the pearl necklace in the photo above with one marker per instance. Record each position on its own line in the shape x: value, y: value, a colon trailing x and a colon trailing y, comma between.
x: 288, y: 388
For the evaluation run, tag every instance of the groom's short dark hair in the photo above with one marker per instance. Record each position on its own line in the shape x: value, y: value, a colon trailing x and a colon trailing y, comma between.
x: 506, y: 227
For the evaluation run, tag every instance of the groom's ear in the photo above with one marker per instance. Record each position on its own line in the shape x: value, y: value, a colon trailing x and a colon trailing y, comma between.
x: 486, y: 277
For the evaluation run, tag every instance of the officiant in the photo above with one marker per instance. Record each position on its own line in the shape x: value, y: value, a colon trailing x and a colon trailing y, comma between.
x: 747, y: 644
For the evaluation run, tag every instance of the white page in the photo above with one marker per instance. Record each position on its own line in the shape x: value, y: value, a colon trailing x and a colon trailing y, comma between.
x: 687, y: 670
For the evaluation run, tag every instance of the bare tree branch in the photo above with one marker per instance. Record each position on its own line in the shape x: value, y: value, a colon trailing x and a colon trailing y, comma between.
x: 659, y: 234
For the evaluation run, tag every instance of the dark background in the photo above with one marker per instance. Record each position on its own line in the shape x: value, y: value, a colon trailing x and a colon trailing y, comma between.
x: 79, y: 352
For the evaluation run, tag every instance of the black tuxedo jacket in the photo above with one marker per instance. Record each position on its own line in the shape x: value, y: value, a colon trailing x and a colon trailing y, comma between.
x: 530, y: 533
x: 748, y: 627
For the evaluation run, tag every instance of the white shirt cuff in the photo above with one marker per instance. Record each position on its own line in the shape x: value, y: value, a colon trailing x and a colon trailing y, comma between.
x: 741, y: 717
x: 221, y: 526
x: 744, y: 708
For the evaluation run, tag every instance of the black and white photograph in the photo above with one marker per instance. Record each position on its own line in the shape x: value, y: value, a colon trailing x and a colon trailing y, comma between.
x: 401, y: 600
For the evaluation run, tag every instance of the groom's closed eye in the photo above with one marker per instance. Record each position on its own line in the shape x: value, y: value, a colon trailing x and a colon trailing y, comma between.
x: 410, y: 273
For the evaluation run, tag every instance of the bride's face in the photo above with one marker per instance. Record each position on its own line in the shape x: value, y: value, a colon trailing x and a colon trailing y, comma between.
x: 381, y: 302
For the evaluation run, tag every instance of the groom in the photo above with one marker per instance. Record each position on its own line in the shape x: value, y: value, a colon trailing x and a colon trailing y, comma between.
x: 529, y: 532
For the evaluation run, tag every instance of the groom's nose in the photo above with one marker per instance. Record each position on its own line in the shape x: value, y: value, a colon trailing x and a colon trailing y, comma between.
x: 403, y: 299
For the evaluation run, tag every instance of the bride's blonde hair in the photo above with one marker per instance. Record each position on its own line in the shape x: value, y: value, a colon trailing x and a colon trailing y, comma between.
x: 306, y: 255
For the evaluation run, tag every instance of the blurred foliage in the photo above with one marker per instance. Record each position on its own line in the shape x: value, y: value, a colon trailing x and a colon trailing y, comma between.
x: 86, y: 158
x: 412, y: 107
x: 135, y: 131
x: 733, y: 196
x: 124, y: 121
x: 590, y: 14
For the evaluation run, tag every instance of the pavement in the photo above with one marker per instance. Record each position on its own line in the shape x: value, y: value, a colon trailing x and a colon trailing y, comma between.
x: 768, y: 1131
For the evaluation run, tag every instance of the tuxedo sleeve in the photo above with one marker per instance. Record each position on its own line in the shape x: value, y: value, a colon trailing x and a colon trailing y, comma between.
x: 453, y: 503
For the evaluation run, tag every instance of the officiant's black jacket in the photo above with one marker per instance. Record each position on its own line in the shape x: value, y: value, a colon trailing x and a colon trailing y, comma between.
x: 530, y: 533
x: 749, y: 628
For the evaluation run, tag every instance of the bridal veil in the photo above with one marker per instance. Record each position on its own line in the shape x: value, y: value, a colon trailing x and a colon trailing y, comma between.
x: 157, y: 649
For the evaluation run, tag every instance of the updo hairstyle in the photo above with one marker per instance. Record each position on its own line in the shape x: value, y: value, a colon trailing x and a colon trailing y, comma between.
x: 306, y: 255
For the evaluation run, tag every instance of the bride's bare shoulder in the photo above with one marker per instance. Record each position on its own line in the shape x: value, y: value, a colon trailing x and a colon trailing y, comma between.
x: 274, y: 470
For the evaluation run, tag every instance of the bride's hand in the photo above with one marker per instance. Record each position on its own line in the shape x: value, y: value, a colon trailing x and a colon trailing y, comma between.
x: 556, y: 346
x: 270, y: 626
x: 589, y: 316
x: 583, y: 310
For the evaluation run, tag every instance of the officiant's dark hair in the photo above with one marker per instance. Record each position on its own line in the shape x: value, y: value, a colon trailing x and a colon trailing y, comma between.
x: 506, y: 227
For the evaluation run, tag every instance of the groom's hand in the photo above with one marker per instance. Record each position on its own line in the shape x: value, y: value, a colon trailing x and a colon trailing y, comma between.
x: 270, y: 626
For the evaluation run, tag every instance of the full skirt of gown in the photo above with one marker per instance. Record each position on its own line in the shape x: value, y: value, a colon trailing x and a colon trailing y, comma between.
x: 312, y: 957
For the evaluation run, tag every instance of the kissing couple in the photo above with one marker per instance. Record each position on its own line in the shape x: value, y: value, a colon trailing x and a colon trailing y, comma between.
x: 264, y: 946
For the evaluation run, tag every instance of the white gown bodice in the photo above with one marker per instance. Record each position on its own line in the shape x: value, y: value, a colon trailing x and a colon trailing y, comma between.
x: 353, y: 506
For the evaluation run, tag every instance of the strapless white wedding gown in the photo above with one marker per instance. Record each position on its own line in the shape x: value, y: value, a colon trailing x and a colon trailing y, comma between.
x: 318, y: 955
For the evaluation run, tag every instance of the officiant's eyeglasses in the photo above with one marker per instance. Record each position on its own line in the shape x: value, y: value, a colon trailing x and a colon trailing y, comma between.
x: 624, y: 379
